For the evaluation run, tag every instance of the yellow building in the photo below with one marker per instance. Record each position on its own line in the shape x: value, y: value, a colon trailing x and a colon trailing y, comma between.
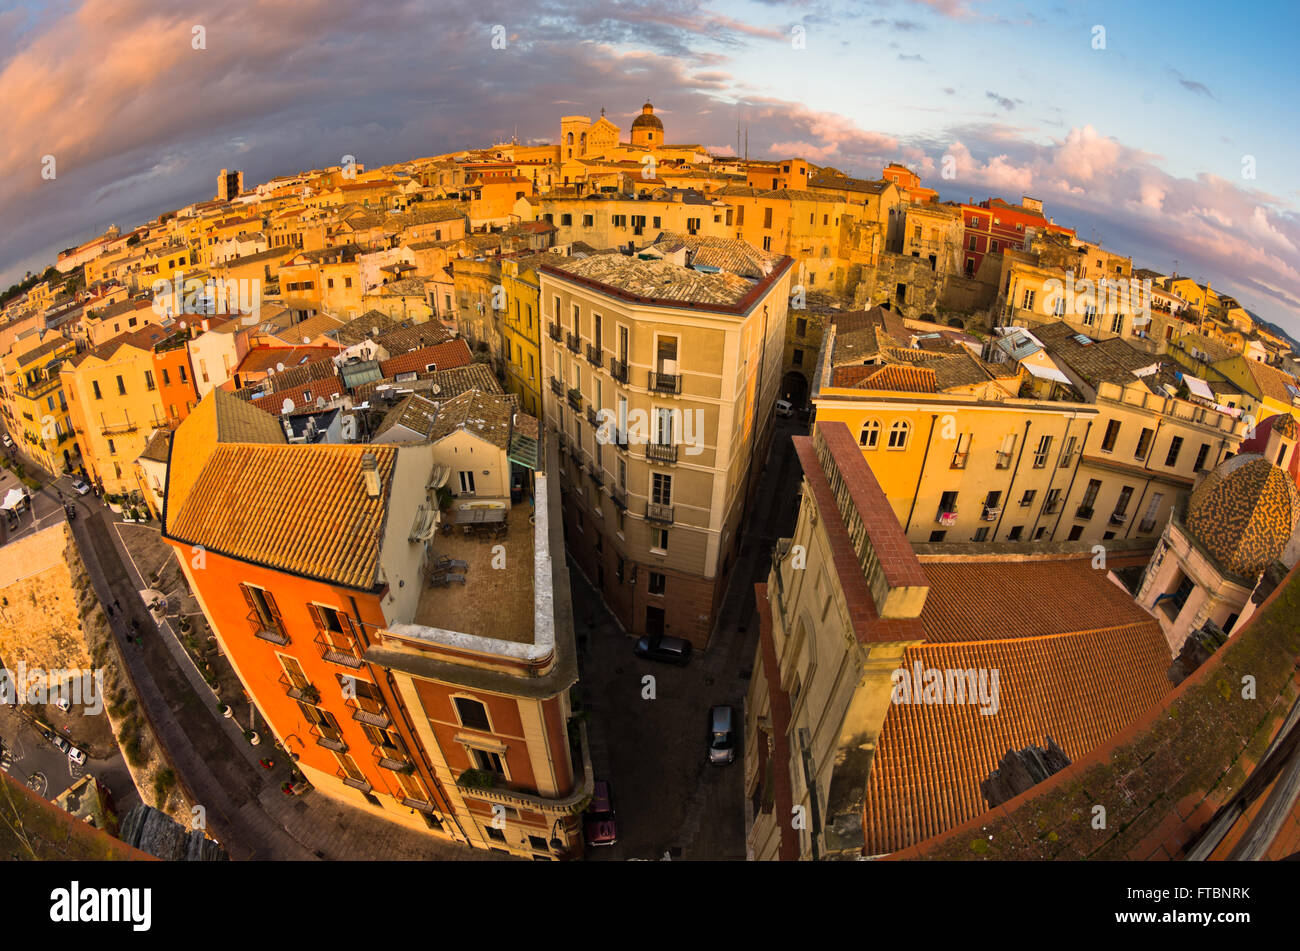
x: 805, y: 225
x: 521, y: 326
x: 617, y: 220
x: 115, y: 404
x: 1275, y: 390
x: 34, y: 405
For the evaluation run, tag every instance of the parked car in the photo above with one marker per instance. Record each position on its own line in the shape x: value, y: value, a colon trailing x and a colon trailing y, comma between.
x: 669, y: 650
x: 81, y: 486
x: 61, y: 744
x: 62, y: 704
x: 784, y: 408
x: 77, y: 756
x: 722, y: 735
x: 598, y: 822
x: 8, y: 443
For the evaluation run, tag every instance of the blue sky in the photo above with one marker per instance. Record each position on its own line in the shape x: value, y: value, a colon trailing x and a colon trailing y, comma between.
x: 1140, y: 144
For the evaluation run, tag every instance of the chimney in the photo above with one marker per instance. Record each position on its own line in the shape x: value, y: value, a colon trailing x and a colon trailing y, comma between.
x: 370, y: 474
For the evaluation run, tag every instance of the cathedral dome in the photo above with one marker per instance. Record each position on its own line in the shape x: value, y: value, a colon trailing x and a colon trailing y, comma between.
x: 1243, y: 513
x: 647, y: 119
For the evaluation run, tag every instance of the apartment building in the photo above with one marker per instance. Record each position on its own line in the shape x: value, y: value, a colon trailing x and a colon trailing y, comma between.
x: 802, y: 224
x: 115, y: 400
x: 662, y: 376
x: 889, y: 689
x: 963, y: 457
x: 409, y: 670
x: 994, y: 226
x: 633, y: 220
x: 521, y: 328
x: 34, y: 404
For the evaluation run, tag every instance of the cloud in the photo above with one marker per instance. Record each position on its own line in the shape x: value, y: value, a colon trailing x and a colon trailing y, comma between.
x: 911, y: 57
x: 1191, y: 85
x: 1002, y: 101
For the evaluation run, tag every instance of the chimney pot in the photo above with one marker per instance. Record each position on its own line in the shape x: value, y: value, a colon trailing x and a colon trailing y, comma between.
x: 370, y: 474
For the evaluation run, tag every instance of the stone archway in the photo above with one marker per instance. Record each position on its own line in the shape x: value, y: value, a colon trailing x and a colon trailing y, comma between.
x: 794, y: 388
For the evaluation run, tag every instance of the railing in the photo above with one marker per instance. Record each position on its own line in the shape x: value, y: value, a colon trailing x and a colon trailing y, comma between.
x: 389, y: 762
x: 593, y: 470
x: 573, y: 342
x: 557, y: 387
x: 554, y: 332
x: 307, y: 693
x: 670, y: 383
x: 618, y: 369
x: 991, y: 513
x: 328, y: 738
x: 1004, y: 459
x: 1147, y: 525
x: 1083, y: 512
x: 659, y: 452
x: 659, y: 513
x: 593, y: 355
x: 420, y: 805
x: 619, y: 497
x: 113, y: 429
x: 575, y: 399
x: 332, y: 653
x: 1117, y: 518
x: 373, y: 718
x: 591, y: 416
x: 959, y: 460
x: 354, y: 783
x: 272, y: 634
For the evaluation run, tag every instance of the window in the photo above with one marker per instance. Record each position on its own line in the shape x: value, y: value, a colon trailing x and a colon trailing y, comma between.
x: 1068, y: 455
x: 1175, y: 446
x: 1014, y: 534
x: 898, y: 433
x: 347, y: 282
x: 472, y: 713
x: 111, y: 448
x: 1121, y: 506
x: 938, y: 536
x: 148, y: 380
x: 495, y: 834
x: 1112, y: 433
x: 661, y: 489
x: 1200, y: 457
x: 167, y: 381
x: 800, y: 326
x: 948, y: 503
x: 1144, y: 444
x: 1028, y: 498
x: 487, y: 761
x: 94, y: 384
x: 657, y: 583
x: 121, y: 387
x: 1117, y: 324
x: 767, y: 242
x: 1028, y: 301
x: 466, y: 482
x: 1041, y: 453
x: 182, y: 370
x: 797, y: 359
x: 981, y: 534
x: 1075, y: 533
x: 566, y: 221
x: 767, y: 217
x: 661, y: 539
x: 263, y: 614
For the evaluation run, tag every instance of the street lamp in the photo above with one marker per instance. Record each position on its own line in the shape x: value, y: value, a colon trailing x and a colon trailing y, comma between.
x: 557, y: 844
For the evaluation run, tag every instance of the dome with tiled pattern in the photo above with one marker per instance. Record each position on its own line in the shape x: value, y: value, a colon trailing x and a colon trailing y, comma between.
x: 1243, y: 513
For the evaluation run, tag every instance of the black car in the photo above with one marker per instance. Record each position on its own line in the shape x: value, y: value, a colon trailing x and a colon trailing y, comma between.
x: 669, y: 650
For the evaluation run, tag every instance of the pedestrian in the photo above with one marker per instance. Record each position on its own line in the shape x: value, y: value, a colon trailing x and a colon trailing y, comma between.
x: 109, y: 609
x: 117, y: 604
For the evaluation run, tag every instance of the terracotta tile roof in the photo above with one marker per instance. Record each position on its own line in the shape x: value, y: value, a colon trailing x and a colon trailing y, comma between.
x: 892, y: 376
x: 656, y: 280
x: 1080, y: 689
x: 444, y: 356
x: 987, y: 600
x: 729, y: 254
x: 262, y: 359
x: 485, y: 415
x: 474, y: 376
x: 302, y: 509
x: 158, y: 447
x: 1272, y: 382
x: 401, y: 340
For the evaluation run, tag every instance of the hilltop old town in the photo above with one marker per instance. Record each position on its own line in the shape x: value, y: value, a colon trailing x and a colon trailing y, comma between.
x: 618, y: 499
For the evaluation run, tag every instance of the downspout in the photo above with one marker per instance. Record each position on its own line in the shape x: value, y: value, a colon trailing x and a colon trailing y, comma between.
x: 1002, y: 511
x: 1073, y: 475
x: 920, y: 475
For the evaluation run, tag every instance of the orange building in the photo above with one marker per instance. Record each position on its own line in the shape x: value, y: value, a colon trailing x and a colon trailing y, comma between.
x: 420, y: 676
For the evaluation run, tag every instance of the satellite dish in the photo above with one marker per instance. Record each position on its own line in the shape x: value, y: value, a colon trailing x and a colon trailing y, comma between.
x: 306, y: 339
x: 279, y: 368
x: 320, y: 402
x: 436, y: 389
x: 286, y: 406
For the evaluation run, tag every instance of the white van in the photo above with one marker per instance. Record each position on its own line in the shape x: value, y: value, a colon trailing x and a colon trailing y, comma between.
x: 783, y: 408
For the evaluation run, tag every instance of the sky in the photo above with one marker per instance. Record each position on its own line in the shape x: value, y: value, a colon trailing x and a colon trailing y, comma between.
x: 1165, y: 130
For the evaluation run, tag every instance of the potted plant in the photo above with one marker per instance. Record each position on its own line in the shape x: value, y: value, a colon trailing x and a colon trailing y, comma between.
x: 252, y: 737
x: 310, y: 694
x: 225, y: 710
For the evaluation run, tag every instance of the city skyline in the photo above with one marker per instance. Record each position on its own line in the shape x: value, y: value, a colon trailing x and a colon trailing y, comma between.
x: 151, y: 117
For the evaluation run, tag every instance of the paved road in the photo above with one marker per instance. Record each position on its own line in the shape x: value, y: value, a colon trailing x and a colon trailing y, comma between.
x: 669, y: 800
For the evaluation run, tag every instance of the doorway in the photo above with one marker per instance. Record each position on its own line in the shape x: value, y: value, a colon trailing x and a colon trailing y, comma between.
x: 654, y: 621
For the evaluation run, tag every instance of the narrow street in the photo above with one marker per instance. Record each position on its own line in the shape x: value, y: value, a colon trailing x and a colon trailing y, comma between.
x: 670, y: 802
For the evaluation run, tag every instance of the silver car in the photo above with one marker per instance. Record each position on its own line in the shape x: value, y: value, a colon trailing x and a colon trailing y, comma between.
x: 722, y: 736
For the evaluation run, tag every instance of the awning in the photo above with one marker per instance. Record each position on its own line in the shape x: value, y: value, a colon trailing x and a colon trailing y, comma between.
x: 1046, y: 373
x: 1198, y: 387
x: 13, y: 499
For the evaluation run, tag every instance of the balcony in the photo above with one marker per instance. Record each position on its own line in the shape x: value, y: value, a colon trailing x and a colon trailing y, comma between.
x: 668, y: 383
x: 420, y: 805
x: 1004, y: 459
x: 1147, y: 525
x: 361, y: 784
x: 1084, y: 512
x: 619, y: 497
x: 591, y: 416
x: 618, y: 369
x: 1051, y: 508
x: 328, y: 737
x: 595, y: 471
x: 662, y: 514
x: 1118, y: 518
x: 306, y: 693
x: 553, y: 331
x: 573, y: 342
x: 557, y: 387
x: 272, y: 634
x: 959, y: 460
x: 377, y: 718
x: 1067, y: 460
x: 344, y: 656
x: 575, y: 399
x: 115, y: 429
x: 395, y: 762
x: 991, y: 513
x: 947, y: 519
x: 657, y: 452
x: 593, y: 356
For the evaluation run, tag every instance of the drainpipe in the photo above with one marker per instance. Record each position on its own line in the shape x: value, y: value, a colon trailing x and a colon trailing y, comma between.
x: 921, y: 474
x: 1073, y: 475
x: 1014, y: 472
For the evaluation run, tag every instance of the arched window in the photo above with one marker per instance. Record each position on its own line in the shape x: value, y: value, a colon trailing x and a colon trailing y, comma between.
x: 472, y: 713
x: 898, y: 433
x: 570, y: 140
x: 869, y: 437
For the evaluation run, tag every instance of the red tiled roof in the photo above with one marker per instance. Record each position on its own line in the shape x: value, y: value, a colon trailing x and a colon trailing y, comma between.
x: 261, y: 359
x: 445, y: 356
x: 904, y: 378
